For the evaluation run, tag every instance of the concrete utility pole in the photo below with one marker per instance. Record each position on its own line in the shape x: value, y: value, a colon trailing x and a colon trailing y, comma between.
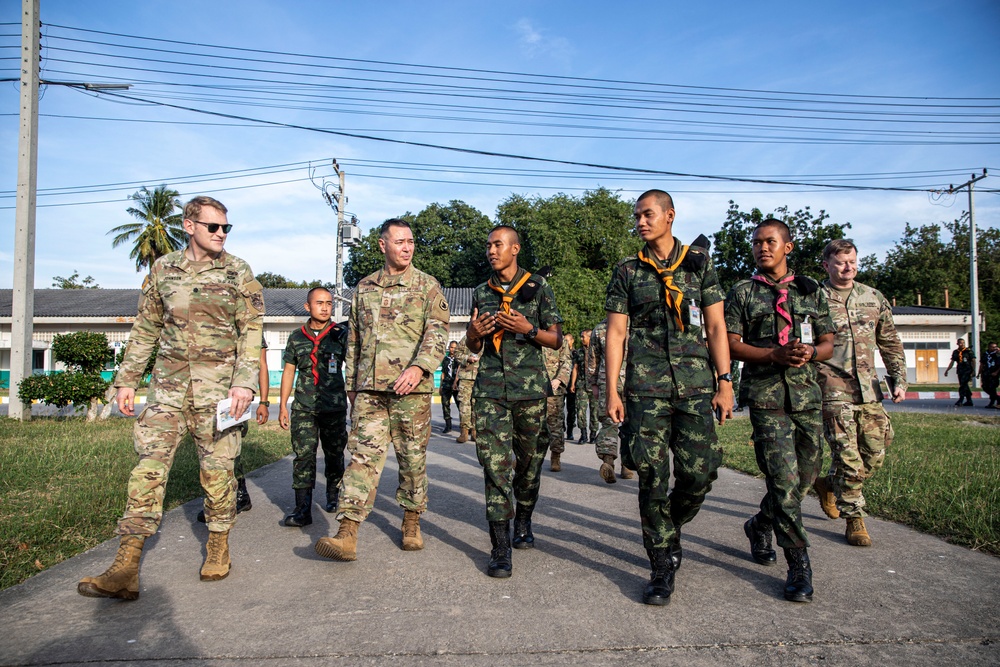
x: 23, y: 302
x: 341, y: 203
x: 973, y: 266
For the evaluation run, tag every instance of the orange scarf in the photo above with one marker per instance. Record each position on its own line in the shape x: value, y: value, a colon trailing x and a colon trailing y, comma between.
x: 506, y: 297
x: 674, y: 295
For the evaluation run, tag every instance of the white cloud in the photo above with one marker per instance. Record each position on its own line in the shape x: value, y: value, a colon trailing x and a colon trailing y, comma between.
x: 535, y: 42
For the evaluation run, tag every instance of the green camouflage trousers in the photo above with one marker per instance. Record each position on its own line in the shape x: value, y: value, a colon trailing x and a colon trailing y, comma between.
x: 379, y: 419
x: 555, y: 421
x: 511, y: 439
x: 584, y: 400
x: 309, y: 430
x: 654, y: 429
x: 465, y: 403
x: 858, y: 436
x: 608, y: 436
x: 789, y: 447
x: 157, y: 433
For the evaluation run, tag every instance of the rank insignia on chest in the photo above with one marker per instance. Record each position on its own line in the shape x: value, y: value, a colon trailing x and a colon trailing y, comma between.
x: 386, y: 301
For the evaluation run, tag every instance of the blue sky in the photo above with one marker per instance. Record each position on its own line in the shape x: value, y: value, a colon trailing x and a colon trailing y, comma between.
x: 689, y: 60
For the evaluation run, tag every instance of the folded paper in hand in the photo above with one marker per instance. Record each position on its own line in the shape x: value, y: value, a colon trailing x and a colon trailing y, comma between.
x: 224, y: 420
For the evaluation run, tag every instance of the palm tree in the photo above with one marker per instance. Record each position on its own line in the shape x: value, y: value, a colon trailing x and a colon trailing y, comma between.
x: 159, y: 230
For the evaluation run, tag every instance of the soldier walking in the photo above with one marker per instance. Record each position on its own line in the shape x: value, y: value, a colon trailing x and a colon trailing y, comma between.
x: 397, y: 337
x: 664, y: 300
x: 205, y: 309
x: 571, y: 390
x: 559, y: 366
x: 965, y: 362
x: 514, y: 315
x: 317, y: 351
x: 779, y: 326
x: 449, y: 374
x: 468, y: 368
x: 585, y: 400
x: 607, y: 440
x: 855, y: 424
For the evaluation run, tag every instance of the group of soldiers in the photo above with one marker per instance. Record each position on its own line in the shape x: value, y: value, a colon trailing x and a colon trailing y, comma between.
x: 658, y: 367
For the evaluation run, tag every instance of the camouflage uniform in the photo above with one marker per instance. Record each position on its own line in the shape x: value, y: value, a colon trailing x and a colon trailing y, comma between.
x: 467, y: 370
x: 319, y: 411
x: 607, y: 438
x: 397, y: 321
x: 784, y: 402
x: 668, y: 390
x: 584, y: 397
x: 449, y: 369
x: 854, y: 422
x: 509, y: 395
x: 965, y: 364
x: 207, y: 317
x: 558, y: 365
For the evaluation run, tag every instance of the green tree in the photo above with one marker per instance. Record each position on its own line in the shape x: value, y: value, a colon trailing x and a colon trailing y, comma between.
x: 85, y: 354
x: 158, y: 229
x: 74, y: 282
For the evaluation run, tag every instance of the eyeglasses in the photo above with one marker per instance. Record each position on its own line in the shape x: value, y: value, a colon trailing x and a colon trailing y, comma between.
x: 213, y: 226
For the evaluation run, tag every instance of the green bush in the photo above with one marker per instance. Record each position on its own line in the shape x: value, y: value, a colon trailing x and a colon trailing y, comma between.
x: 85, y: 353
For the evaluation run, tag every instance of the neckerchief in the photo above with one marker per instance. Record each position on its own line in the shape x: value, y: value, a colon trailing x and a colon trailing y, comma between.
x: 674, y: 294
x: 506, y: 297
x: 316, y: 340
x: 778, y: 305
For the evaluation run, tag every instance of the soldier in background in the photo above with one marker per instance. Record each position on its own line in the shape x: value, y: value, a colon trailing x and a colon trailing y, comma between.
x: 449, y: 374
x: 468, y: 367
x: 514, y: 316
x: 664, y: 300
x: 571, y: 390
x: 559, y: 366
x: 316, y: 350
x: 855, y: 424
x: 989, y: 371
x: 607, y: 440
x: 396, y: 340
x: 965, y: 361
x: 584, y: 395
x: 779, y: 326
x: 205, y: 309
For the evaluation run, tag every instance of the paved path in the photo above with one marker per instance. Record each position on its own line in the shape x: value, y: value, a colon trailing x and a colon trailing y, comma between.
x: 574, y: 600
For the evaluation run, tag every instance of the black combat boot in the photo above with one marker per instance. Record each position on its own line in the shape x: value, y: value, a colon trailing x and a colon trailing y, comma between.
x: 332, y: 497
x: 302, y: 514
x: 523, y: 537
x: 661, y: 581
x: 243, y: 503
x: 799, y: 584
x: 500, y: 557
x: 760, y: 542
x: 447, y: 427
x: 583, y: 437
x: 569, y: 433
x: 676, y: 555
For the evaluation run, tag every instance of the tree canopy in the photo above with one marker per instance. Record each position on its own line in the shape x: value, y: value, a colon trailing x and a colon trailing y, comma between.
x: 74, y: 282
x: 158, y: 231
x: 276, y: 280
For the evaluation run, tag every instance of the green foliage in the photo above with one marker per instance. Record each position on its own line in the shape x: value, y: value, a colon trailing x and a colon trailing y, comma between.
x: 74, y: 282
x: 932, y: 258
x: 276, y: 280
x: 159, y: 230
x: 733, y: 256
x: 150, y: 363
x: 85, y: 353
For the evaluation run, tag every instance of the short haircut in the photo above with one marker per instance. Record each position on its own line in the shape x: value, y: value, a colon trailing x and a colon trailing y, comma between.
x: 517, y: 236
x: 665, y: 201
x: 585, y: 331
x: 193, y: 207
x: 393, y: 222
x: 838, y: 247
x: 318, y: 288
x: 774, y: 222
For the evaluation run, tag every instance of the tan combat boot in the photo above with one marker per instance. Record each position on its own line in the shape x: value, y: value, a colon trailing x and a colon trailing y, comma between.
x: 217, y: 563
x: 827, y: 498
x: 626, y: 473
x: 554, y: 464
x: 857, y: 534
x: 463, y: 436
x: 608, y: 468
x: 412, y: 540
x: 344, y: 545
x: 472, y: 434
x: 121, y: 580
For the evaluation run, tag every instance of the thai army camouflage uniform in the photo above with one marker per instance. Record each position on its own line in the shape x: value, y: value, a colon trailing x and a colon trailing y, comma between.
x: 965, y: 365
x: 397, y: 321
x: 319, y: 411
x: 668, y: 388
x: 207, y: 318
x: 468, y: 367
x: 608, y: 439
x: 584, y: 398
x: 785, y: 403
x: 509, y: 400
x: 855, y: 424
x: 559, y: 366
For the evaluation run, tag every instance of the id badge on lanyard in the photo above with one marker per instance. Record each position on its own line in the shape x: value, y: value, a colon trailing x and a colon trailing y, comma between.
x: 806, y: 329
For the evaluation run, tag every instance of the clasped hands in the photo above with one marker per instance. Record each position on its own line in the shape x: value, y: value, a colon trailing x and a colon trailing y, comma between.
x: 793, y: 353
x: 483, y: 325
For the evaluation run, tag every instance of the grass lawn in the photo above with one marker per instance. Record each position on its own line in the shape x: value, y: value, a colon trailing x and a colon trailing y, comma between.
x: 941, y: 475
x: 62, y: 485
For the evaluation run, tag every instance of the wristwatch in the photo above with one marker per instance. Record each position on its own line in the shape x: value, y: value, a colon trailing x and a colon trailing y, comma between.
x: 531, y: 334
x: 266, y: 404
x: 815, y: 352
x: 725, y: 377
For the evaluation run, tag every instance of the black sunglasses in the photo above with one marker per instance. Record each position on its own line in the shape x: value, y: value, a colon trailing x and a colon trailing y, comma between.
x: 213, y: 226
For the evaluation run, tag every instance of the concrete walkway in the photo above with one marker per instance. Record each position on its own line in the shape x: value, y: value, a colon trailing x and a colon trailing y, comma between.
x: 574, y: 600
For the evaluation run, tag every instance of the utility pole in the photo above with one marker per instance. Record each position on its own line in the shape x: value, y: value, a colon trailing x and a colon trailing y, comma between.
x: 338, y: 202
x: 341, y: 203
x: 23, y: 301
x: 973, y: 266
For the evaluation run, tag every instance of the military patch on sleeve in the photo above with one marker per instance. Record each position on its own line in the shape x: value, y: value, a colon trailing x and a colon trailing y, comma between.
x: 147, y: 281
x: 439, y: 309
x: 257, y: 301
